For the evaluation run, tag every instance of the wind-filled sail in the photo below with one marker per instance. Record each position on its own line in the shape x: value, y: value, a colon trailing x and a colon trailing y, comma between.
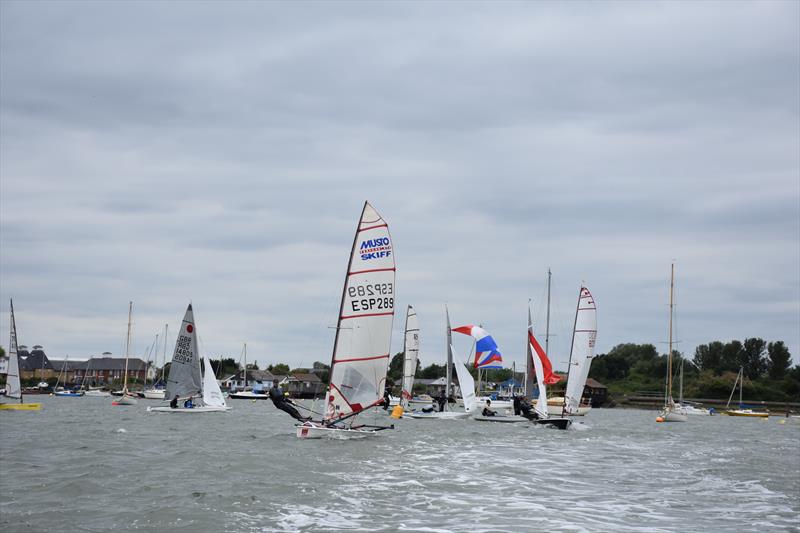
x: 364, y: 330
x: 583, y: 340
x: 13, y: 388
x: 543, y: 370
x: 212, y: 395
x: 411, y: 352
x: 487, y: 354
x: 184, y: 372
x: 465, y: 381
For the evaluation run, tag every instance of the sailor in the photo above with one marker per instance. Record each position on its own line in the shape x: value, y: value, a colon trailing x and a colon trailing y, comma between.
x: 441, y: 399
x: 487, y: 410
x: 517, y: 405
x: 525, y: 409
x: 174, y: 403
x: 188, y: 404
x: 387, y: 399
x: 283, y: 403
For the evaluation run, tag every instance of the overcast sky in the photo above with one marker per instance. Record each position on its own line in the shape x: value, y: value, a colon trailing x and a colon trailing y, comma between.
x: 220, y: 153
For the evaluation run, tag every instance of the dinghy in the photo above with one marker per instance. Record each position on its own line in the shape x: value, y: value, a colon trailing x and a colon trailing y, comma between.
x: 13, y: 385
x: 126, y: 398
x: 186, y: 379
x: 363, y: 335
x: 584, y: 334
x: 410, y: 357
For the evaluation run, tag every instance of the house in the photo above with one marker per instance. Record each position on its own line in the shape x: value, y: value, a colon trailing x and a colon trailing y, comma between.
x: 256, y: 379
x: 596, y: 392
x: 303, y: 385
x: 34, y: 364
x: 437, y: 387
x: 104, y: 370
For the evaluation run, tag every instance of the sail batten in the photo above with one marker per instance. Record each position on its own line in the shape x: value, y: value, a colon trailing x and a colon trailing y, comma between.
x: 582, y: 353
x: 358, y: 375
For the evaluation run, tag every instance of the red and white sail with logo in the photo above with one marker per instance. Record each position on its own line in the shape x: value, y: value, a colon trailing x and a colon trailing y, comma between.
x: 364, y: 330
x: 583, y: 339
x: 410, y: 355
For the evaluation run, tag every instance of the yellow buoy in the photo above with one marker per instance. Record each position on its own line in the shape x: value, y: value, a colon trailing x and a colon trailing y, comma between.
x: 660, y: 419
x: 397, y: 412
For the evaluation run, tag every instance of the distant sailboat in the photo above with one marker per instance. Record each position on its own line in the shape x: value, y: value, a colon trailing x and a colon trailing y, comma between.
x: 62, y: 391
x: 127, y: 398
x: 246, y: 394
x: 13, y: 385
x: 742, y: 410
x: 465, y: 382
x: 363, y: 334
x: 187, y: 380
x: 584, y: 334
x: 672, y: 412
x: 410, y: 357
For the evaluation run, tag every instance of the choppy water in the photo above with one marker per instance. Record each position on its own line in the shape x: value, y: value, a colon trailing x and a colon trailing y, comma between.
x: 83, y: 465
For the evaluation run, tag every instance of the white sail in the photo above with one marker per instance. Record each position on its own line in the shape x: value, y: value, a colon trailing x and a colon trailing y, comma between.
x: 465, y: 381
x: 13, y: 387
x: 184, y: 372
x: 583, y: 339
x: 541, y: 402
x: 411, y: 352
x: 212, y: 395
x: 364, y: 329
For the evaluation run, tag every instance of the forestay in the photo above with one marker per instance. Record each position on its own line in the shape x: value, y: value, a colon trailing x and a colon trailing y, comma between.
x: 364, y: 329
x: 465, y: 381
x: 583, y: 340
x: 13, y: 387
x: 184, y: 373
x: 411, y: 353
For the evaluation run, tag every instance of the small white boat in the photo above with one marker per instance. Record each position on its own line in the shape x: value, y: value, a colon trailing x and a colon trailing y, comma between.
x: 316, y: 430
x: 694, y: 410
x: 186, y: 378
x: 248, y: 395
x: 97, y: 393
x: 443, y: 415
x: 126, y: 398
x: 154, y: 394
x: 69, y: 393
x: 672, y: 412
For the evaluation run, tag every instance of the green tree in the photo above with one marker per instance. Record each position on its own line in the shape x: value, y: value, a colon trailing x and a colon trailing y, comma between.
x: 753, y: 360
x: 395, y: 373
x: 732, y: 357
x: 779, y: 360
x: 432, y: 371
x: 281, y: 369
x: 709, y: 356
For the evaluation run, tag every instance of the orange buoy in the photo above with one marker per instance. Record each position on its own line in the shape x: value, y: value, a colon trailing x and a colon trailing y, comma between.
x: 660, y: 419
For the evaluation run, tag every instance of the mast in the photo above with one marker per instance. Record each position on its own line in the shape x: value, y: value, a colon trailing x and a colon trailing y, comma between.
x: 127, y: 349
x: 449, y: 372
x: 547, y: 324
x: 741, y: 384
x: 245, y: 366
x: 571, y: 347
x: 669, y: 354
x: 529, y: 365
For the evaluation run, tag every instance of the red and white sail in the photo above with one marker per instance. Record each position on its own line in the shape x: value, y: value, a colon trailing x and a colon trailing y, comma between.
x: 543, y: 370
x: 410, y: 356
x: 583, y: 340
x: 364, y: 330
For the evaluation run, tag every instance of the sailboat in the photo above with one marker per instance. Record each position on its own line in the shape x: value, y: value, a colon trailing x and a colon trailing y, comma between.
x: 410, y: 356
x: 186, y: 379
x: 61, y: 391
x: 363, y: 334
x: 584, y: 334
x: 154, y: 392
x: 690, y: 408
x: 127, y: 398
x: 247, y: 394
x: 543, y: 371
x: 13, y: 385
x: 95, y: 392
x: 742, y: 410
x: 672, y: 412
x: 487, y: 356
x: 465, y: 382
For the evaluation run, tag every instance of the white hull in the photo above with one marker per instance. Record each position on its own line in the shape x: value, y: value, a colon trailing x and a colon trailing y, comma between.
x: 97, y: 394
x: 313, y: 430
x: 556, y: 404
x: 446, y: 415
x: 694, y: 411
x: 154, y: 394
x: 674, y: 415
x: 65, y: 394
x: 125, y: 400
x: 188, y: 410
x: 248, y: 395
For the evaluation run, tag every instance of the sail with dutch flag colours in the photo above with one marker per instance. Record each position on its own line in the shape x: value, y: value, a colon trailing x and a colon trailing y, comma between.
x: 364, y: 329
x: 487, y: 354
x: 410, y: 355
x: 582, y: 353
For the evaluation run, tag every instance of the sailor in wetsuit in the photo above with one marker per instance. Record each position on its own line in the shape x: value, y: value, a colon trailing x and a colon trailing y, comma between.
x: 525, y: 410
x: 488, y: 411
x: 283, y: 403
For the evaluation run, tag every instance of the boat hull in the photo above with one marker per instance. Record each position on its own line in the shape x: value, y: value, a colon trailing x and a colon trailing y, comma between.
x: 314, y: 430
x: 747, y: 413
x: 446, y: 415
x: 188, y: 410
x: 502, y: 419
x: 20, y: 406
x: 97, y: 394
x: 558, y: 423
x: 673, y: 415
x: 69, y: 394
x: 125, y: 400
x: 154, y: 394
x: 248, y: 396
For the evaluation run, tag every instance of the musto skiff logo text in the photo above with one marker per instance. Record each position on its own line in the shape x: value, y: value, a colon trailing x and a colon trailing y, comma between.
x: 375, y: 248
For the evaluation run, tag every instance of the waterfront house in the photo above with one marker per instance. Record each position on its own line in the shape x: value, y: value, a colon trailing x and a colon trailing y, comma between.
x: 303, y: 385
x: 104, y: 370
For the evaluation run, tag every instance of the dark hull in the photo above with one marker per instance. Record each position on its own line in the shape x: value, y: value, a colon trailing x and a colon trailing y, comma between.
x: 559, y: 423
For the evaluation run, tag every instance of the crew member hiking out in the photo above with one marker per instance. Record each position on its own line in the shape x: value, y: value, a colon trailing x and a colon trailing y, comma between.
x: 283, y: 403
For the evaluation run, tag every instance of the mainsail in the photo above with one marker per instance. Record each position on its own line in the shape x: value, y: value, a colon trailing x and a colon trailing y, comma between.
x: 364, y: 328
x: 583, y: 339
x: 410, y: 354
x: 184, y: 373
x: 13, y: 387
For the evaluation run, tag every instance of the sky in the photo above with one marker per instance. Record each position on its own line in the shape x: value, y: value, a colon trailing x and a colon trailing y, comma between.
x: 220, y: 154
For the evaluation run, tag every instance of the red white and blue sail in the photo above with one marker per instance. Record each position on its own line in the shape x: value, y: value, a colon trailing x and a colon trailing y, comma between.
x: 364, y: 330
x: 487, y: 354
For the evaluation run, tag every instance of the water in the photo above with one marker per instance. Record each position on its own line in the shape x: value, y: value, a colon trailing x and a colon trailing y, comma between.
x: 82, y: 465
